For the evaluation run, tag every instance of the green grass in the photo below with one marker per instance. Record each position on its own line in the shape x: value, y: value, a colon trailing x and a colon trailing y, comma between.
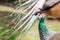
x: 4, y: 29
x: 8, y: 9
x: 55, y: 28
x: 32, y: 34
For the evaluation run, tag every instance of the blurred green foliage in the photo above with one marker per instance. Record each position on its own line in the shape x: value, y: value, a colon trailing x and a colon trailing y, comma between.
x: 12, y: 0
x: 7, y: 0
